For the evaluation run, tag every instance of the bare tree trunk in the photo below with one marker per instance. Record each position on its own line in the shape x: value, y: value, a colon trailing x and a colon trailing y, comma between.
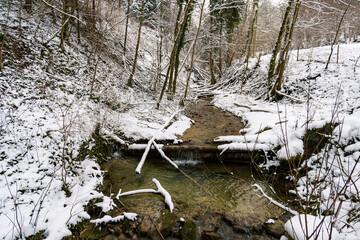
x: 211, y: 68
x: 126, y: 24
x: 28, y: 6
x: 249, y: 41
x: 65, y: 22
x: 220, y: 51
x: 336, y: 35
x: 1, y: 48
x: 282, y: 64
x: 173, y: 52
x: 93, y: 13
x: 278, y: 44
x: 211, y: 59
x: 193, y: 50
x: 77, y: 21
x: 177, y: 32
x: 129, y: 83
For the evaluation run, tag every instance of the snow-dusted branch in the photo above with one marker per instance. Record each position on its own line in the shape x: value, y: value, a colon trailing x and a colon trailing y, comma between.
x: 275, y: 202
x: 151, y: 141
x: 164, y: 156
x: 61, y: 11
x: 160, y: 190
x: 107, y: 218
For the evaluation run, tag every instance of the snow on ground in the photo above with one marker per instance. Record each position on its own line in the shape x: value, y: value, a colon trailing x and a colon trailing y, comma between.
x: 316, y: 97
x: 46, y: 115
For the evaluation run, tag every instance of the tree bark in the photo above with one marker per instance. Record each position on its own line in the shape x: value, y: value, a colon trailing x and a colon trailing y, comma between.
x: 65, y: 23
x: 129, y: 83
x: 28, y: 6
x: 278, y: 44
x: 283, y: 62
x: 126, y: 24
x: 336, y: 36
x: 193, y: 50
x: 173, y: 52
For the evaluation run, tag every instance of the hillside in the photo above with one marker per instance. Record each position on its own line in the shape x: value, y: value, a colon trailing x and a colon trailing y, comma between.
x: 64, y: 112
x: 313, y: 100
x: 48, y: 118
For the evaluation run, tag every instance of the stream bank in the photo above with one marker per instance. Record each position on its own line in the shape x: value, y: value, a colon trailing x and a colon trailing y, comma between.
x: 226, y: 206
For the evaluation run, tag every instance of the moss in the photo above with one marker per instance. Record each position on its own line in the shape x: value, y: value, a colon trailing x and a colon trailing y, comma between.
x: 263, y: 130
x: 166, y: 222
x: 38, y: 235
x: 315, y: 139
x: 77, y: 229
x: 188, y: 231
x: 125, y: 226
x: 93, y: 233
x: 101, y: 149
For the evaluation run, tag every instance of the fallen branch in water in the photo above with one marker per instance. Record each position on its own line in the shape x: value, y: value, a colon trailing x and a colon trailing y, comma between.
x: 160, y: 190
x: 275, y: 202
x: 151, y: 141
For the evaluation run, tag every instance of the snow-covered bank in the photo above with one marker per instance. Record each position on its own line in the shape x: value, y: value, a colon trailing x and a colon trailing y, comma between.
x: 313, y: 97
x: 46, y: 114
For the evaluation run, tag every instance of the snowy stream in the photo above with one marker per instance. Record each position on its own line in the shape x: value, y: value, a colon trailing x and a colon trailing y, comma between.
x: 229, y: 188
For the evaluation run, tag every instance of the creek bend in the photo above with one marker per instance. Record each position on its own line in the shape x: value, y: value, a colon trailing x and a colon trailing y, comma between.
x: 229, y: 207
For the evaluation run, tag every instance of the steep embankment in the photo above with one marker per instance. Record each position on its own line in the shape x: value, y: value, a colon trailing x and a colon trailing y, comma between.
x: 317, y: 104
x: 51, y: 103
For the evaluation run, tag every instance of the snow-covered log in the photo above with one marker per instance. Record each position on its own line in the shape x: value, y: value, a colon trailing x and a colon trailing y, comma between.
x: 160, y: 190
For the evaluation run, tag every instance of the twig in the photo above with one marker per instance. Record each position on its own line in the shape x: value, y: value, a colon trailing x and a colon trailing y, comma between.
x: 162, y: 237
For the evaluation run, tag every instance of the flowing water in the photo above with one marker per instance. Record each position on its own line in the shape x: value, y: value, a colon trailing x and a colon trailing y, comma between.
x: 224, y: 189
x: 221, y: 189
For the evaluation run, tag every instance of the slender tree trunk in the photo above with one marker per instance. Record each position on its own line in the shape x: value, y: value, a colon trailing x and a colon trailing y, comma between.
x: 278, y: 44
x: 53, y: 15
x: 249, y: 41
x: 211, y: 68
x: 65, y: 23
x: 297, y: 54
x: 173, y: 52
x: 159, y: 56
x: 220, y: 51
x: 336, y: 36
x: 78, y: 22
x: 93, y: 13
x: 176, y: 60
x: 1, y: 48
x: 127, y: 23
x: 211, y: 60
x: 193, y: 50
x: 129, y: 83
x: 28, y: 6
x: 279, y: 81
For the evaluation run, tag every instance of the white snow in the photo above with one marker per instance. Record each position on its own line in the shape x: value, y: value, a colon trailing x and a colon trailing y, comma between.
x: 106, y: 219
x: 107, y: 204
x: 308, y: 227
x: 160, y: 190
x: 46, y: 115
x: 323, y: 96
